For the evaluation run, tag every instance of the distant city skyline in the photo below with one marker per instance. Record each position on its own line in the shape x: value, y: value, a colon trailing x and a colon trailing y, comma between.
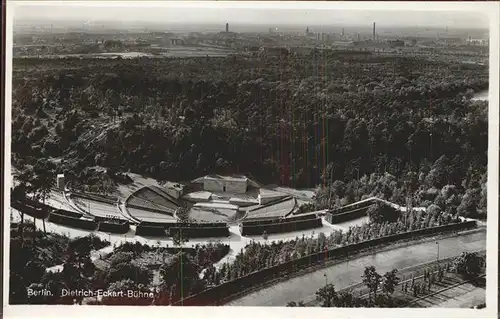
x: 210, y: 13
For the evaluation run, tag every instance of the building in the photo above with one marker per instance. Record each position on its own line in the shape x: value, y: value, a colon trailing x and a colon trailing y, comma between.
x: 60, y: 182
x: 396, y: 43
x: 266, y: 52
x: 176, y: 41
x: 217, y: 183
x: 481, y: 42
x: 175, y: 190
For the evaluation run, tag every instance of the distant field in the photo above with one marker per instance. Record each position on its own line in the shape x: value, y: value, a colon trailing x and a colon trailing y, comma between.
x: 162, y: 52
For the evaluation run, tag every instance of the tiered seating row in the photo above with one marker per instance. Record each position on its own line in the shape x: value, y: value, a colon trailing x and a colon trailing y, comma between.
x: 101, y: 210
x: 273, y: 210
x: 165, y: 195
x: 150, y: 216
x: 139, y: 202
x: 97, y: 197
x: 154, y: 197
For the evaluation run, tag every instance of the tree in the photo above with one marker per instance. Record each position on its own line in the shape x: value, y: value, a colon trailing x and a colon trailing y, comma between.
x: 43, y: 180
x: 371, y: 279
x: 183, y: 214
x: 327, y: 296
x: 122, y: 267
x: 78, y: 269
x: 379, y: 213
x: 18, y: 193
x: 469, y: 204
x: 182, y: 272
x: 390, y: 281
x: 264, y: 235
x: 346, y: 300
x: 467, y: 264
x: 125, y: 286
x: 179, y: 238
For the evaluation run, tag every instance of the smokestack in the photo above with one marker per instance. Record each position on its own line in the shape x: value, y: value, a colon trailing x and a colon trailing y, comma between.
x: 342, y: 32
x: 373, y: 31
x: 227, y: 27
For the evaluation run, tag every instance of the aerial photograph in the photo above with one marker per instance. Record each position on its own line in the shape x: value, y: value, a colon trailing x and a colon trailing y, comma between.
x: 217, y: 156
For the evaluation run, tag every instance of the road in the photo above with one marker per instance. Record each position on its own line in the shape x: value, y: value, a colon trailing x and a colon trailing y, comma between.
x: 348, y: 273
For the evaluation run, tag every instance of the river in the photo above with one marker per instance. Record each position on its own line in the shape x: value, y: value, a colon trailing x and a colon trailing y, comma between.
x: 348, y: 273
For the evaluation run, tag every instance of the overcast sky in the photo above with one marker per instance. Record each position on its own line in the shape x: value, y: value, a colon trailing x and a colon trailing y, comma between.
x: 209, y: 14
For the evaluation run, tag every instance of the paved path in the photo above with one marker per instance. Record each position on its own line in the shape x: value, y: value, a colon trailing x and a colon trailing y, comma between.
x: 473, y: 296
x: 235, y: 240
x: 348, y: 273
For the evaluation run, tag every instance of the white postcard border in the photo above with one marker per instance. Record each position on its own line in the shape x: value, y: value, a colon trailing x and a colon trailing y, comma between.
x: 490, y: 9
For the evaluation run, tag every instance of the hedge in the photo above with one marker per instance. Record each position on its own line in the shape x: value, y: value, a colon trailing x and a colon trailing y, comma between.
x: 281, y: 227
x: 107, y: 219
x: 218, y: 295
x: 342, y: 217
x: 72, y: 221
x: 112, y: 226
x: 68, y: 213
x: 35, y: 211
x: 150, y: 230
x: 157, y: 224
x: 305, y: 216
x: 261, y: 222
x: 347, y: 208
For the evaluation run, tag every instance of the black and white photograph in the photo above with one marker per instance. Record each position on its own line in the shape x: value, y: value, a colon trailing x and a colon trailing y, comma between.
x: 223, y: 154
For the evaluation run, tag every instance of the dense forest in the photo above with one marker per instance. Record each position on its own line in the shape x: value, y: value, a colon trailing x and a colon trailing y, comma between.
x: 350, y: 124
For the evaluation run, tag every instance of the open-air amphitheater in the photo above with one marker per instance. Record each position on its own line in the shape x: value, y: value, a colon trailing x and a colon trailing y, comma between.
x: 217, y: 207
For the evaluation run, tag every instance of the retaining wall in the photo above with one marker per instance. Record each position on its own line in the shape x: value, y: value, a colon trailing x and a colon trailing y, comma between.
x: 217, y: 295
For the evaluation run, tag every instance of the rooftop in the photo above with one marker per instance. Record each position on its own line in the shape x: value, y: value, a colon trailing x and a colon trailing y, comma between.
x: 234, y: 178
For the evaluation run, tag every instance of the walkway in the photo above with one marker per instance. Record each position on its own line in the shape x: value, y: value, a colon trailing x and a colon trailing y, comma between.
x: 348, y: 273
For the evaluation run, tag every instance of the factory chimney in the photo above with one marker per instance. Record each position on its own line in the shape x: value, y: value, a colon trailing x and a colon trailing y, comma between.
x: 373, y: 31
x: 227, y: 27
